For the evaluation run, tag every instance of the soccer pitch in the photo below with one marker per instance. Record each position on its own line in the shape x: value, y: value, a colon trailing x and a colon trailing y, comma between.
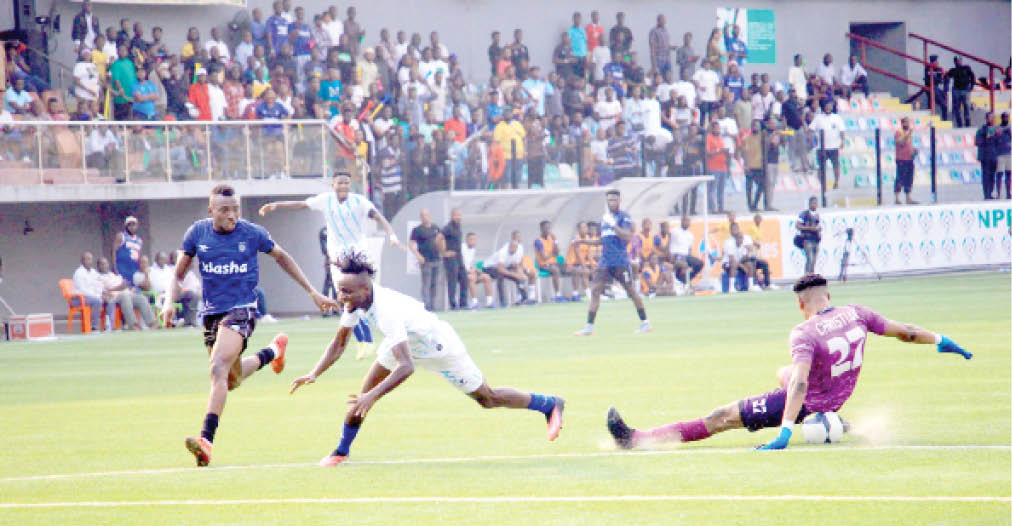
x: 94, y: 426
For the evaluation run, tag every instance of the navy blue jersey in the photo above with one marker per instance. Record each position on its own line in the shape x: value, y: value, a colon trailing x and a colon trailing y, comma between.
x: 613, y: 248
x: 228, y: 263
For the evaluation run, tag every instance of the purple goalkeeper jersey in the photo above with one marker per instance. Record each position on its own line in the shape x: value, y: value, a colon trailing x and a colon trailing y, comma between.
x: 833, y: 342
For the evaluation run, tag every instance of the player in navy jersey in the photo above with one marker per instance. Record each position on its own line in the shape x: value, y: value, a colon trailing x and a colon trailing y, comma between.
x: 827, y: 351
x: 127, y: 254
x: 227, y: 248
x: 616, y: 230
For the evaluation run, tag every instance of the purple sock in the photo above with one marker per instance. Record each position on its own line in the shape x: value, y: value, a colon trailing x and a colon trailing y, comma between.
x: 678, y: 432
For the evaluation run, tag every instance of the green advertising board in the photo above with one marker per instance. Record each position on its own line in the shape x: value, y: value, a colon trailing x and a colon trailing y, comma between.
x: 760, y: 35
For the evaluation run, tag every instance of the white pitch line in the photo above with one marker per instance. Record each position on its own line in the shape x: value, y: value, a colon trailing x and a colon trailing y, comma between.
x: 511, y: 499
x: 495, y: 458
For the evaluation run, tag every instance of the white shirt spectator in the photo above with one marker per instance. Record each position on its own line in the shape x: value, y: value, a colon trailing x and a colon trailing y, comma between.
x: 243, y: 52
x: 707, y: 81
x: 600, y: 57
x: 599, y: 149
x: 504, y: 258
x: 98, y: 140
x: 109, y: 48
x: 664, y: 91
x: 608, y: 113
x: 88, y: 282
x: 86, y: 73
x: 222, y: 49
x: 381, y: 125
x: 833, y: 127
x: 161, y: 278
x: 444, y: 52
x: 334, y: 28
x: 729, y: 132
x: 731, y: 248
x: 685, y: 89
x: 681, y: 242
x: 467, y: 253
x: 288, y: 16
x: 399, y: 51
x: 761, y: 105
x: 218, y: 102
x: 826, y: 72
x: 799, y: 81
x: 632, y: 111
x: 848, y: 75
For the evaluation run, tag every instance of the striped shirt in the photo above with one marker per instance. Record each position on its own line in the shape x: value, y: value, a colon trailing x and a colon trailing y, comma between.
x: 346, y: 221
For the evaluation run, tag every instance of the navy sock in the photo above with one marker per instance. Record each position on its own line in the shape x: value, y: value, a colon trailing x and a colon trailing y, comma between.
x: 210, y: 426
x: 542, y: 403
x: 266, y: 355
x: 590, y: 317
x: 347, y: 437
x: 642, y: 314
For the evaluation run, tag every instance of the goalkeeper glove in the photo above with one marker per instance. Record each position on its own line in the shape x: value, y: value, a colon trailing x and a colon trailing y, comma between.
x: 947, y: 345
x: 780, y: 442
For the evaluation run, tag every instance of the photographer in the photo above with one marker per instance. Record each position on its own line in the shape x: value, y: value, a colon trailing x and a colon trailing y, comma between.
x: 809, y: 234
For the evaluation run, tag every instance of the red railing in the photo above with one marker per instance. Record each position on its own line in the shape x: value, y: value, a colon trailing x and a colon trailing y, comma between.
x: 991, y: 65
x: 929, y: 88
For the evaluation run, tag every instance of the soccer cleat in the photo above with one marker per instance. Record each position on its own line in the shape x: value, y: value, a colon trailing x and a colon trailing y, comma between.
x: 201, y: 449
x: 645, y: 327
x: 280, y: 343
x: 587, y: 330
x: 555, y: 418
x: 332, y: 460
x: 619, y: 431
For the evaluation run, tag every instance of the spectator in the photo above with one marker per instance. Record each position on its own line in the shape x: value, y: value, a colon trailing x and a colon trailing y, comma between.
x: 853, y: 76
x: 660, y: 47
x: 192, y: 44
x: 101, y: 58
x: 831, y: 127
x: 962, y: 84
x: 277, y: 30
x: 303, y: 43
x: 507, y: 263
x: 933, y: 76
x: 457, y: 282
x: 102, y: 149
x: 620, y: 36
x: 161, y: 276
x: 686, y: 58
x: 427, y: 243
x: 634, y: 74
x: 85, y: 27
x: 714, y: 54
x: 258, y: 29
x: 577, y: 263
x: 986, y: 156
x: 244, y: 50
x: 333, y: 25
x: 353, y: 31
x: 686, y: 266
x: 566, y: 64
x: 752, y: 150
x: 495, y: 51
x: 622, y: 152
x: 518, y: 52
x: 123, y: 35
x: 826, y: 72
x: 390, y: 172
x: 88, y: 284
x: 124, y: 75
x: 537, y: 153
x: 510, y: 134
x: 578, y: 40
x: 773, y: 140
x: 708, y: 83
x: 86, y: 80
x: 546, y: 252
x: 905, y: 153
x: 144, y: 95
x: 734, y: 82
x: 474, y: 274
x: 810, y: 234
x: 176, y: 93
x: 1002, y: 137
x: 735, y: 262
x: 117, y: 291
x: 793, y: 111
x: 797, y: 78
x: 717, y: 165
x: 138, y: 46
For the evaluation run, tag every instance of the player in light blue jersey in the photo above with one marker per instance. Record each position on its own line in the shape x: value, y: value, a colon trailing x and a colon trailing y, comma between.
x: 616, y: 230
x: 227, y: 248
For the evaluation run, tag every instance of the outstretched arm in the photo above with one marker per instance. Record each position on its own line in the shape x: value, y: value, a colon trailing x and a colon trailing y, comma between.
x: 796, y: 391
x: 385, y: 225
x: 289, y: 265
x: 330, y: 355
x: 361, y: 403
x: 911, y: 333
x: 283, y: 205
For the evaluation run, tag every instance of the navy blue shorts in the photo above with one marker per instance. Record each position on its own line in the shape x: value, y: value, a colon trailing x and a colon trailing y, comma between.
x: 603, y: 274
x: 766, y: 410
x: 240, y: 319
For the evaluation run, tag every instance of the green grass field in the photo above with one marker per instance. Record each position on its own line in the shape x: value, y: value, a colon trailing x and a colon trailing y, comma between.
x: 93, y: 427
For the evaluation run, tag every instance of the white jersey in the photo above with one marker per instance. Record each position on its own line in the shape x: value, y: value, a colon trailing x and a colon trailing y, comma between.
x: 433, y: 344
x: 346, y: 221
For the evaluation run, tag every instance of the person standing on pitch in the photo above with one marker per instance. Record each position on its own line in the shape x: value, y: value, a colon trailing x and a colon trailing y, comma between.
x: 227, y: 247
x: 412, y: 335
x: 827, y: 351
x: 616, y: 230
x: 129, y: 246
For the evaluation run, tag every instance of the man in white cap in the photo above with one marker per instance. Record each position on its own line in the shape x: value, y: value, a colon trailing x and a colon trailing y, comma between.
x: 127, y: 247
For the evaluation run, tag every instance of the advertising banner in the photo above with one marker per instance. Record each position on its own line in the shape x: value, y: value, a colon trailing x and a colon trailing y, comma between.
x: 756, y: 29
x: 905, y: 239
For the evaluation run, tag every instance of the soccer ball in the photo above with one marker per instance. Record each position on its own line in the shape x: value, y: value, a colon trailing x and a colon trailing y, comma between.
x: 822, y: 428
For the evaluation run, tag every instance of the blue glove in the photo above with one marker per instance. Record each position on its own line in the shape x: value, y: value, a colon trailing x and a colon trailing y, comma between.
x: 780, y: 442
x: 947, y: 345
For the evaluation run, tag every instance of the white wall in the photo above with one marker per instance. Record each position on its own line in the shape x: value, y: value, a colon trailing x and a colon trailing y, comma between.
x: 981, y: 27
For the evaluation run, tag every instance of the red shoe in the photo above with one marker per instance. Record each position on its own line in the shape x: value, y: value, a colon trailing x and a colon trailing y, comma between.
x: 332, y: 460
x: 280, y: 343
x: 201, y: 448
x: 555, y: 420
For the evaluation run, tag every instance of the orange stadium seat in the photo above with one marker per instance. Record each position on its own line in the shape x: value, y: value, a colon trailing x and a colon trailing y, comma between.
x: 67, y: 289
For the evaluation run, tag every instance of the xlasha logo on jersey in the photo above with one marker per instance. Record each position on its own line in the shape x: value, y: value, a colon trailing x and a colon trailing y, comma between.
x: 224, y: 269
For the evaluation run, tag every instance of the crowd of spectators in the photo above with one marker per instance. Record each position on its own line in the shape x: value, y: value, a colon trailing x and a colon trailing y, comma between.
x: 403, y: 106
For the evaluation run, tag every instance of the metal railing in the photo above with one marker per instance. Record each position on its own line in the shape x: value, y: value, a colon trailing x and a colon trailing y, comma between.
x: 990, y: 65
x: 929, y: 88
x: 89, y: 152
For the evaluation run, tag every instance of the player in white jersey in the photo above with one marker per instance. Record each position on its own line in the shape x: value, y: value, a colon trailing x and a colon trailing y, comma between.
x: 346, y: 214
x: 413, y: 336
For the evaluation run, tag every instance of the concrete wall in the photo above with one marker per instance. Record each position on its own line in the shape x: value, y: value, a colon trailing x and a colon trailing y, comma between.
x: 810, y: 27
x: 33, y: 263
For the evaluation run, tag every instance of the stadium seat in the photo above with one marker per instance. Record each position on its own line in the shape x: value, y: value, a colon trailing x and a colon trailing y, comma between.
x: 67, y: 289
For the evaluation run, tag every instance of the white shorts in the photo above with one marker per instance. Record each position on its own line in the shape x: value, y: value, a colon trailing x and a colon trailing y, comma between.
x: 451, y: 360
x: 1003, y: 163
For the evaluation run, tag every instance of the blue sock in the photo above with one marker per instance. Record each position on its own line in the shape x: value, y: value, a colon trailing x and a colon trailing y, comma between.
x: 347, y: 437
x: 542, y: 403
